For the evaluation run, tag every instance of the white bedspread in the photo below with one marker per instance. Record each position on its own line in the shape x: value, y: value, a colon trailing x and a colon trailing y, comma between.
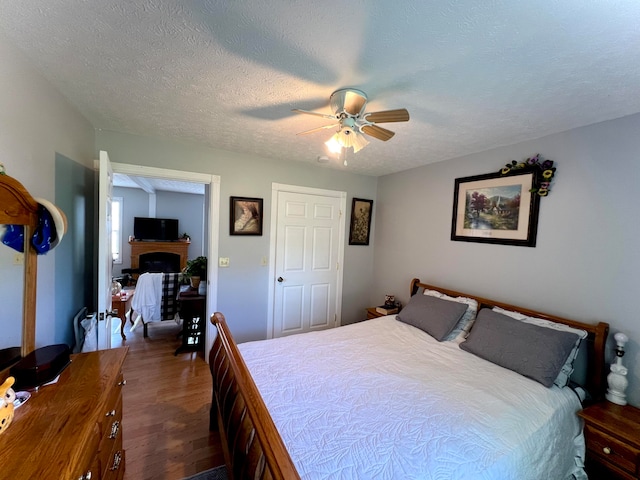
x: 381, y: 399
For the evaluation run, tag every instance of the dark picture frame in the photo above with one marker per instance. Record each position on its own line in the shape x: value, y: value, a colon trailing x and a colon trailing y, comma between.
x: 360, y: 229
x: 245, y: 217
x: 496, y: 208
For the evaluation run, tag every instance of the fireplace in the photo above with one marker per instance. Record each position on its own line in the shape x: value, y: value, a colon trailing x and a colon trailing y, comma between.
x: 159, y: 256
x: 164, y: 262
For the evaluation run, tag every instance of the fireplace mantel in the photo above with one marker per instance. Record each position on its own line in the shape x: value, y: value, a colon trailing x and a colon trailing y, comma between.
x: 140, y: 248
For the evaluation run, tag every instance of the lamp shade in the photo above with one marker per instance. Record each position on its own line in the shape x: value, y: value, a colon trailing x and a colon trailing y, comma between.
x: 333, y: 144
x: 347, y: 138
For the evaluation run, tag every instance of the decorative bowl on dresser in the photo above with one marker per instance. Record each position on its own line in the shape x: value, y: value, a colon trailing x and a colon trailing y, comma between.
x: 71, y: 429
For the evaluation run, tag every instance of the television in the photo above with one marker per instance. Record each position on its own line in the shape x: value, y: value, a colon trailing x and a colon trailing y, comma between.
x: 155, y: 229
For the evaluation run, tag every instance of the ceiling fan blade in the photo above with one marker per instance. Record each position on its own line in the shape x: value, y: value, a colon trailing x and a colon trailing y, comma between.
x: 378, y: 132
x: 307, y: 112
x: 313, y: 130
x: 399, y: 115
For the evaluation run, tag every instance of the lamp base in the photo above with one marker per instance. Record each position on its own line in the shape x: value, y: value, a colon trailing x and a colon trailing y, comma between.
x: 616, y: 397
x: 617, y: 383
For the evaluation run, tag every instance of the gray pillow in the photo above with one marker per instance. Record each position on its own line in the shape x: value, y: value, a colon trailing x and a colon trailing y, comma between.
x: 530, y: 350
x: 433, y: 315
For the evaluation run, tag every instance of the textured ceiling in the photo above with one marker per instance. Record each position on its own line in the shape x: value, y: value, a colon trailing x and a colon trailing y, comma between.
x: 473, y: 75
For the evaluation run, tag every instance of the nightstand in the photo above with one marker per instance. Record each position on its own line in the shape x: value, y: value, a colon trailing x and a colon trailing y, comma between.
x: 372, y: 313
x: 612, y: 433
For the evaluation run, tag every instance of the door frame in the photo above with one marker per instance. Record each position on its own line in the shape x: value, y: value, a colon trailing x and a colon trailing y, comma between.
x: 276, y: 188
x: 213, y: 225
x: 105, y: 266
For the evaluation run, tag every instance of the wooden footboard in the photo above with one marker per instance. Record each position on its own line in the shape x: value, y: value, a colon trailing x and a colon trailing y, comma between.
x: 251, y: 443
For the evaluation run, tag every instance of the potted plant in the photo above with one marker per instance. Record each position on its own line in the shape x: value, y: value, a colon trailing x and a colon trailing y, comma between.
x: 196, y: 270
x: 185, y: 237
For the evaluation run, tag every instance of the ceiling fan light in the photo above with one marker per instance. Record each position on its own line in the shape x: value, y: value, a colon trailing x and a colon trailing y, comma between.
x: 352, y: 138
x: 359, y: 142
x: 333, y: 144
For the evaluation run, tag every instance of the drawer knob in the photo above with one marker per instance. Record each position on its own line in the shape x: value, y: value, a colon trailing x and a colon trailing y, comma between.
x: 607, y: 450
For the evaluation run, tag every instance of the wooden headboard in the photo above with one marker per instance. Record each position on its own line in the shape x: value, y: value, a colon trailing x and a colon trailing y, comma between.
x: 596, y: 334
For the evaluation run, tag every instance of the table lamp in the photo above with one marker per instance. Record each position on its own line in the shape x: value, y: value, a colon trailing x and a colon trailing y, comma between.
x: 617, y: 378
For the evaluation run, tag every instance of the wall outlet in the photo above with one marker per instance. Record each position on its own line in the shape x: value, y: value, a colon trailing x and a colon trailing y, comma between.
x: 18, y: 258
x: 223, y: 262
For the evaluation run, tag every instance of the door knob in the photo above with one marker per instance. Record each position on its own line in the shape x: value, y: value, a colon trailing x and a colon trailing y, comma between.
x: 280, y: 279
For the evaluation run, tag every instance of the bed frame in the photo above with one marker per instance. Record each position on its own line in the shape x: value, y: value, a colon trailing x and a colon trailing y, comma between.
x: 251, y: 443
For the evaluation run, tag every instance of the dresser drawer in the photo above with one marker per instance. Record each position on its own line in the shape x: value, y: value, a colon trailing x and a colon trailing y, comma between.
x: 111, y: 433
x: 112, y: 413
x: 92, y: 469
x: 611, y: 450
x: 92, y: 472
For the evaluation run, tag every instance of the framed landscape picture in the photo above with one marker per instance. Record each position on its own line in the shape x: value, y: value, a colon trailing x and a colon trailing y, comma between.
x: 360, y: 221
x: 246, y: 216
x: 495, y: 208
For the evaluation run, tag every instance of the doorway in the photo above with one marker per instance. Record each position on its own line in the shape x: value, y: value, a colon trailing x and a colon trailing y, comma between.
x: 212, y: 221
x: 307, y: 245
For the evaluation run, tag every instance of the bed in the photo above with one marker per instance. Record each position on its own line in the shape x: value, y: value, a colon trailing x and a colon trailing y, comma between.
x: 390, y: 398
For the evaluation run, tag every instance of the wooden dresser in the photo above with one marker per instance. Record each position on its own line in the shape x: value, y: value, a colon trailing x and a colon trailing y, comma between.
x: 70, y: 430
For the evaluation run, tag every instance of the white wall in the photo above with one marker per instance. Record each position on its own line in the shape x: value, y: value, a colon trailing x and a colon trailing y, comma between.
x: 243, y: 287
x: 586, y: 261
x: 35, y: 123
x: 189, y: 209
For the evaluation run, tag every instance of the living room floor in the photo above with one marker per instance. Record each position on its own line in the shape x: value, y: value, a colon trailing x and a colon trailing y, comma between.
x: 165, y: 406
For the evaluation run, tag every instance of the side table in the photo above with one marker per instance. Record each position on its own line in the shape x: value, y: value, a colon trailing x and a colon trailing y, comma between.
x: 373, y: 313
x: 122, y: 304
x: 192, y: 309
x: 612, y: 433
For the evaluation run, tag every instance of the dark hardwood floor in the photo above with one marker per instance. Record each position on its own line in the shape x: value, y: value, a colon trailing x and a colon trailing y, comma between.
x: 166, y: 407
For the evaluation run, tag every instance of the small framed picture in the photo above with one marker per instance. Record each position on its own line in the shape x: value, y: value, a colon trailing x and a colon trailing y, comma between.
x: 246, y: 216
x: 360, y: 221
x: 495, y: 208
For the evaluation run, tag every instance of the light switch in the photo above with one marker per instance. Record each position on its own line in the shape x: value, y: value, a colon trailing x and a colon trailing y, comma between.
x: 264, y: 262
x: 223, y: 262
x: 18, y: 258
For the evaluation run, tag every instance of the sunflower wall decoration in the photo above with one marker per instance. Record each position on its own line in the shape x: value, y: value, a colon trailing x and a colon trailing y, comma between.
x: 543, y: 169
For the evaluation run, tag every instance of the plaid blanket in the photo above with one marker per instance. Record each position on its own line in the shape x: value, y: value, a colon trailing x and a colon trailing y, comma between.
x: 170, y: 289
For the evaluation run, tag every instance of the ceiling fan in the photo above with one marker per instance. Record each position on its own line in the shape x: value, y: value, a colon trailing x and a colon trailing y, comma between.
x: 348, y: 106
